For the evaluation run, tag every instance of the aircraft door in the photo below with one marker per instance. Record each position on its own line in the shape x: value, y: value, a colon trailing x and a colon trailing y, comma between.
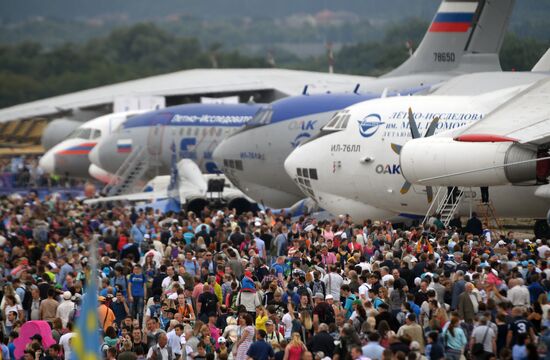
x: 156, y: 134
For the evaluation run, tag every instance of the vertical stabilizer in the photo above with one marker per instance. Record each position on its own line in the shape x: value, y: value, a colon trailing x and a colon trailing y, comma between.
x: 459, y: 28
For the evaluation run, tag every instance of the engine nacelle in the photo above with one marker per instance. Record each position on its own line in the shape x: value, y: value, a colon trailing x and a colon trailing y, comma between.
x: 442, y: 161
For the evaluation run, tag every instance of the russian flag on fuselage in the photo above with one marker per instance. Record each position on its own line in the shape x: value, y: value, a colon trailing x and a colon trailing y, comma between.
x: 124, y: 145
x: 454, y: 16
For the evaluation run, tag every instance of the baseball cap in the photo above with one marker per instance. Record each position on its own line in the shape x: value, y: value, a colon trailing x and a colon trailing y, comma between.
x: 329, y: 297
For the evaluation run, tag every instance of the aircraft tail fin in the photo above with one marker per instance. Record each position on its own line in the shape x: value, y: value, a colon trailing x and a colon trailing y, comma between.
x: 459, y: 27
x: 173, y: 185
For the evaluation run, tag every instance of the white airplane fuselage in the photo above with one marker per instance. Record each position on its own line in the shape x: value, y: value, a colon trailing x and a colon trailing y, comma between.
x: 356, y: 169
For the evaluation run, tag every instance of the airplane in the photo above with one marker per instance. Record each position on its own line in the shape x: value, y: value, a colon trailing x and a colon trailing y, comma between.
x: 463, y: 37
x: 195, y: 129
x: 354, y: 167
x: 70, y: 157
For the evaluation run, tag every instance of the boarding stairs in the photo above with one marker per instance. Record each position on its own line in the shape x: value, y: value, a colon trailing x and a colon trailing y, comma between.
x: 487, y: 214
x: 130, y: 174
x: 446, y: 204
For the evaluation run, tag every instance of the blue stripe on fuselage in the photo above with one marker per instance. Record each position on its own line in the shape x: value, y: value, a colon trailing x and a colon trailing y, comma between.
x: 207, y: 111
x: 296, y: 106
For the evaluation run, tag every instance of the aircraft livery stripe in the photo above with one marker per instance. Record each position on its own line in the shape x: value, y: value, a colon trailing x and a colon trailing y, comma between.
x: 462, y: 17
x: 74, y: 152
x: 455, y: 7
x: 196, y: 115
x: 449, y: 27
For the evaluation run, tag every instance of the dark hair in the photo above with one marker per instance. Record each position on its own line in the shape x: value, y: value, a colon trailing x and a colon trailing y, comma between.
x: 247, y: 318
x: 262, y: 333
x: 110, y: 332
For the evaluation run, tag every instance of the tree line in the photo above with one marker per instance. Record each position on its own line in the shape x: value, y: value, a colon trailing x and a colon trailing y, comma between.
x: 28, y: 71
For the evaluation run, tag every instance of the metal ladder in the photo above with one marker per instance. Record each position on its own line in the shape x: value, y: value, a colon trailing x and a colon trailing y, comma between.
x: 129, y: 173
x: 487, y: 212
x: 445, y: 207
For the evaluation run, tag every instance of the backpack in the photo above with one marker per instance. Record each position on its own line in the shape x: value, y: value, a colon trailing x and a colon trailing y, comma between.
x: 154, y: 310
x: 26, y: 302
x: 318, y: 287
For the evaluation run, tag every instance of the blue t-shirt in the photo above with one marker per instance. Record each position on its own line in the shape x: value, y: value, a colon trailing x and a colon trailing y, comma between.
x: 138, y: 284
x: 260, y: 350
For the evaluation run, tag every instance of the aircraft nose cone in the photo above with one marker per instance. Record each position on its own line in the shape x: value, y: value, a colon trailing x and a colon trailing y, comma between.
x: 221, y: 152
x: 294, y: 161
x: 47, y: 162
x: 94, y: 157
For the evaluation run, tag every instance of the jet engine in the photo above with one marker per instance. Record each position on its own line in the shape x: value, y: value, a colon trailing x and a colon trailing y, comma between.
x: 470, y: 161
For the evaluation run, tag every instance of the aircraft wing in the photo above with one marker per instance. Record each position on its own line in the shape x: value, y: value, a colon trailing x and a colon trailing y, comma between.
x: 136, y: 197
x: 524, y: 119
x: 272, y: 83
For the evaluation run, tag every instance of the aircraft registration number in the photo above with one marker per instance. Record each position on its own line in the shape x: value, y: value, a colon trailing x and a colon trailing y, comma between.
x: 444, y: 56
x: 345, y: 148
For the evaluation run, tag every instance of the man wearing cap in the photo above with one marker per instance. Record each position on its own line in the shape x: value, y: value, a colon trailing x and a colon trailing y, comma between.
x: 322, y: 312
x: 65, y: 308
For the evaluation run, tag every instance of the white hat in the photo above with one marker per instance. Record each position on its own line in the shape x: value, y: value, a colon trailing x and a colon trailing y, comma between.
x: 539, y: 241
x: 329, y: 297
x: 221, y: 340
x: 67, y: 295
x: 309, y: 227
x: 527, y: 241
x: 501, y: 243
x: 257, y: 224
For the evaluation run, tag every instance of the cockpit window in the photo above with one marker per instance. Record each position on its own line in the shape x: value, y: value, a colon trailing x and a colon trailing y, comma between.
x: 338, y: 122
x: 262, y: 117
x: 96, y: 134
x: 81, y: 133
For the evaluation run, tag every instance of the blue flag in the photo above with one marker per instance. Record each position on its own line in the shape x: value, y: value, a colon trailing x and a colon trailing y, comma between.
x: 86, y: 344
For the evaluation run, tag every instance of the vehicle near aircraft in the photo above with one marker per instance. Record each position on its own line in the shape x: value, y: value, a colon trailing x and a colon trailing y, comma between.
x: 70, y: 157
x: 141, y: 147
x: 353, y: 166
x: 464, y: 37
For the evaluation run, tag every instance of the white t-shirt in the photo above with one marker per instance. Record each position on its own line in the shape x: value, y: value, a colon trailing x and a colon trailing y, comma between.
x: 287, y: 322
x: 333, y: 283
x: 364, y: 291
x: 65, y: 341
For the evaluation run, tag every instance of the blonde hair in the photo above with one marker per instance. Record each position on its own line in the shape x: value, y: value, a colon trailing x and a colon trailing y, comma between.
x: 296, y: 339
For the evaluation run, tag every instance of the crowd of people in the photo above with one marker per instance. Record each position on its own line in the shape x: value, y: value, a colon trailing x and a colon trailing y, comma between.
x: 221, y: 285
x: 24, y: 172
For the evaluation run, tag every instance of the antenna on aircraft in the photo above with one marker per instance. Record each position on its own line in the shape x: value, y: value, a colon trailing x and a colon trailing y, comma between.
x: 251, y: 100
x: 330, y: 58
x: 409, y: 46
x: 304, y: 92
x: 356, y: 90
x: 384, y: 93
